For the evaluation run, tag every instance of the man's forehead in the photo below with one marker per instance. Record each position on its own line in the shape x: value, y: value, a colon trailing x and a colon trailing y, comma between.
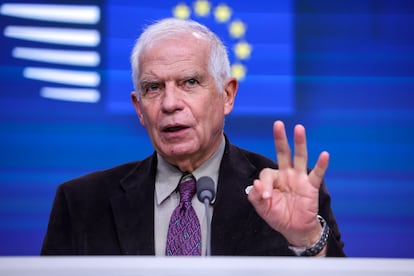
x: 173, y: 68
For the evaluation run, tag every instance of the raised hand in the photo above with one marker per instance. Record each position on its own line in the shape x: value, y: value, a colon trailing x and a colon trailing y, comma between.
x: 287, y: 198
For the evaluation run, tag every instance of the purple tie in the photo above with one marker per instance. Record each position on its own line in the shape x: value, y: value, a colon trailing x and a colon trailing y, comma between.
x: 184, y: 234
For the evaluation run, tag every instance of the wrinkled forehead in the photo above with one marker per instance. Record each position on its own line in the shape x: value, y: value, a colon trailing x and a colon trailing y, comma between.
x: 188, y: 43
x: 183, y: 53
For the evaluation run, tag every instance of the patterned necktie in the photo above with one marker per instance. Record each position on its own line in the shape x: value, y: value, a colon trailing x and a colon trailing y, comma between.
x: 184, y: 234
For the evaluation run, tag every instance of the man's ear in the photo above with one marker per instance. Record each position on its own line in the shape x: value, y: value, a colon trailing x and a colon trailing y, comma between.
x: 137, y: 106
x: 230, y: 91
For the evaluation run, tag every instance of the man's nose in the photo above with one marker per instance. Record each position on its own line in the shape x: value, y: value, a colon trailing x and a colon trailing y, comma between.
x: 171, y: 101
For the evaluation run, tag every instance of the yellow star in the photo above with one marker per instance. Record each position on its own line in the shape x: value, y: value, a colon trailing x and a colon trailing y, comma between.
x: 243, y: 50
x: 181, y: 11
x: 222, y: 13
x: 237, y: 29
x: 238, y: 71
x: 202, y: 7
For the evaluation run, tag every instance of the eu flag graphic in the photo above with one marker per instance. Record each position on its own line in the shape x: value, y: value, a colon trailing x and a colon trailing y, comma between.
x: 259, y: 39
x: 80, y: 53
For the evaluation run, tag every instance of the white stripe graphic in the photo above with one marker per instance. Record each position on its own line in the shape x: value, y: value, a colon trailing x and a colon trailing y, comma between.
x: 71, y: 94
x: 81, y: 83
x: 70, y: 77
x: 55, y: 13
x: 65, y: 36
x: 67, y: 57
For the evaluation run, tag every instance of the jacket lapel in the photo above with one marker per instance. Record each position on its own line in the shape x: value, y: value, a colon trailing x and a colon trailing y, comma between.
x: 133, y: 210
x: 232, y: 208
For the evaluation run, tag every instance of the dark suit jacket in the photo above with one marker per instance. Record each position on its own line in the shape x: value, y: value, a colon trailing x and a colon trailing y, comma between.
x: 111, y: 212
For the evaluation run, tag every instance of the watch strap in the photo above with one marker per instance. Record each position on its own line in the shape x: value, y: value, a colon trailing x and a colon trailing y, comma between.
x: 317, y: 247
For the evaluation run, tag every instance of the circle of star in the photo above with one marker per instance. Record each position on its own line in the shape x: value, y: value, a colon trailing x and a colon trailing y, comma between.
x: 222, y: 14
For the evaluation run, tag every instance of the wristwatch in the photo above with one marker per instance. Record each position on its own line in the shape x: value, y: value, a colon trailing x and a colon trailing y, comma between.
x: 317, y: 247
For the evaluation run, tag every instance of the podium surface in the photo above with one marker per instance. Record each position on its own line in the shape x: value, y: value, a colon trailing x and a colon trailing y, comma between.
x: 203, y: 266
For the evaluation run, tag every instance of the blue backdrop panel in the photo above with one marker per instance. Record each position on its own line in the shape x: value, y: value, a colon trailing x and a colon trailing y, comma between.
x: 343, y: 69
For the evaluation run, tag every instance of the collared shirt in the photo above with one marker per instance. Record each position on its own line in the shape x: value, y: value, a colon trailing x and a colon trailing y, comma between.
x: 166, y: 197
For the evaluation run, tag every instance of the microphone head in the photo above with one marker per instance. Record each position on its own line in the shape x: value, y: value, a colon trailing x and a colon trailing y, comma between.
x: 205, y: 189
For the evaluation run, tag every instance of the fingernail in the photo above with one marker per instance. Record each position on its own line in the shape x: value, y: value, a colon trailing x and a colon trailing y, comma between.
x: 248, y: 188
x: 266, y: 194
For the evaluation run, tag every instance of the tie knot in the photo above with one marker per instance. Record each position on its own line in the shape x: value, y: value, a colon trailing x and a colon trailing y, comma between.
x: 187, y: 187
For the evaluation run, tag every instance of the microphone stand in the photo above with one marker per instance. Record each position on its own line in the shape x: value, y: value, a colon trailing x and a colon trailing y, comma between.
x: 208, y: 221
x: 206, y: 194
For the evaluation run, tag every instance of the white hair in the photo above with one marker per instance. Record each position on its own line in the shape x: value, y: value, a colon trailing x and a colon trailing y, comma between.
x: 219, y: 64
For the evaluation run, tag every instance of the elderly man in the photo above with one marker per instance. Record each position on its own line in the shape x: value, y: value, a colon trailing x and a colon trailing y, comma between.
x: 183, y: 91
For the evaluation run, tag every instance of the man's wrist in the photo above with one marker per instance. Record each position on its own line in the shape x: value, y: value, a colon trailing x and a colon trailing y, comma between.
x: 317, y: 247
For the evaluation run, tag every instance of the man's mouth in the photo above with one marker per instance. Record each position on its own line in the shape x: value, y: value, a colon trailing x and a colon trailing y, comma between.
x: 174, y: 128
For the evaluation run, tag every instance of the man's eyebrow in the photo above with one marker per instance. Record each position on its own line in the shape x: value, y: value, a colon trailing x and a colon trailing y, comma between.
x: 195, y: 75
x: 147, y: 81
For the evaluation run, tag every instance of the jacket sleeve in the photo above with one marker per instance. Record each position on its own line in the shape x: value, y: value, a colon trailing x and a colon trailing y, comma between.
x: 335, y: 245
x: 58, y: 238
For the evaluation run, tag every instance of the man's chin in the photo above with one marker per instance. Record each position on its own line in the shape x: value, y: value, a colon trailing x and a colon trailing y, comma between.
x: 178, y: 151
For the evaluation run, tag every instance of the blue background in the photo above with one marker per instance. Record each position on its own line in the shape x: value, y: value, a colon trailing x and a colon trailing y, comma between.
x: 348, y: 77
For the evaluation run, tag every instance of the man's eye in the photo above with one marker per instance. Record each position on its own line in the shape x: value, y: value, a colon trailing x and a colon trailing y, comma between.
x: 190, y: 83
x: 153, y: 87
x: 151, y: 90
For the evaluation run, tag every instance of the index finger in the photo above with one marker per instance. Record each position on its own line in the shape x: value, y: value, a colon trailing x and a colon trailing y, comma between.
x: 318, y: 172
x: 283, y: 154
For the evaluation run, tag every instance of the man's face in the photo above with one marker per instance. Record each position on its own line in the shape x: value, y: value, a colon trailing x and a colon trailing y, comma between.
x: 180, y: 105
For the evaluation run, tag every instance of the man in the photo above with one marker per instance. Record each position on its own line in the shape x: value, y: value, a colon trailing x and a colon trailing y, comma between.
x: 183, y: 91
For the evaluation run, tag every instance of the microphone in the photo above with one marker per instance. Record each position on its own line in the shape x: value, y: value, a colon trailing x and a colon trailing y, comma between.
x: 205, y: 189
x: 206, y: 194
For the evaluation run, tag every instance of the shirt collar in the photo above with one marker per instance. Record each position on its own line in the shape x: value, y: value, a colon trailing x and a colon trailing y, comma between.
x: 168, y: 176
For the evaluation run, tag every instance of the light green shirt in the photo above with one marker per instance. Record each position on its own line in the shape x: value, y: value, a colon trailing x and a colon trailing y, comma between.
x: 166, y: 199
